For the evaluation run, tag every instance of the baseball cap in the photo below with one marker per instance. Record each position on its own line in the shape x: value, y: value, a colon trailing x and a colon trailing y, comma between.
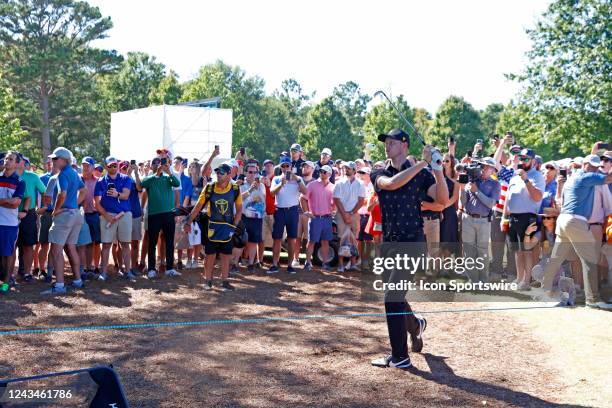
x: 224, y: 168
x: 308, y: 163
x: 396, y: 134
x: 326, y: 151
x: 488, y: 161
x: 608, y: 154
x: 284, y: 160
x: 528, y: 153
x: 61, y: 153
x: 231, y: 163
x: 267, y: 161
x: 350, y: 165
x: 365, y: 170
x: 296, y: 146
x: 124, y: 163
x: 110, y: 160
x: 515, y: 149
x: 89, y: 160
x: 178, y: 158
x: 99, y: 167
x: 593, y: 160
x: 577, y: 159
x: 538, y: 159
x: 326, y: 169
x: 551, y: 164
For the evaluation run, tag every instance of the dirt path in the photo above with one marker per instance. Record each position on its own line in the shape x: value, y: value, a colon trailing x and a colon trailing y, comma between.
x: 478, y: 358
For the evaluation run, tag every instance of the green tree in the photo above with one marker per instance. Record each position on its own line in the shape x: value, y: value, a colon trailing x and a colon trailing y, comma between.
x: 238, y: 92
x: 382, y: 118
x: 567, y: 84
x: 168, y: 92
x: 296, y: 103
x: 46, y: 54
x: 10, y: 130
x: 456, y: 117
x: 326, y: 126
x: 275, y: 131
x: 137, y: 79
x: 352, y: 103
x: 490, y: 117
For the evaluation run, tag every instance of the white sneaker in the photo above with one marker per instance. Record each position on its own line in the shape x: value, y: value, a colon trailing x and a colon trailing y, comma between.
x: 340, y: 268
x: 600, y: 305
x: 172, y: 272
x: 151, y: 274
x: 295, y: 263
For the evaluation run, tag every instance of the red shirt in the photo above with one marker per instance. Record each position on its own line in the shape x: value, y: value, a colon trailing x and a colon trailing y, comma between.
x: 270, y: 199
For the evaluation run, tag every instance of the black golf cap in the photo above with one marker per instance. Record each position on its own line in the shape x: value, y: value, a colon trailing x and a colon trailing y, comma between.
x: 397, y: 134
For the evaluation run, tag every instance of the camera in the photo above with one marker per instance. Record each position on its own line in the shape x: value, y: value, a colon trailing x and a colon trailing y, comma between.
x: 132, y: 162
x: 469, y: 173
x: 163, y: 161
x: 563, y: 172
x: 110, y: 186
x: 604, y: 146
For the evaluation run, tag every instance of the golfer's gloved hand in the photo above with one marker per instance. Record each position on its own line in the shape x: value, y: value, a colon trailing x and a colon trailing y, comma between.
x: 436, y: 160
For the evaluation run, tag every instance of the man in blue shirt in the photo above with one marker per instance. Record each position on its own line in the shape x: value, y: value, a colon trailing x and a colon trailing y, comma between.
x: 525, y: 192
x: 136, y: 210
x: 573, y: 230
x: 111, y: 197
x: 478, y: 198
x: 67, y: 220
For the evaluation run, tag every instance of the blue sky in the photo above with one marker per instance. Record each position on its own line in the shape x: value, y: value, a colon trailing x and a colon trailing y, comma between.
x: 426, y: 50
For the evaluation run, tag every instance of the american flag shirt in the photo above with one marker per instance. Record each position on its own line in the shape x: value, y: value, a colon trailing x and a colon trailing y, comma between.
x: 503, y: 176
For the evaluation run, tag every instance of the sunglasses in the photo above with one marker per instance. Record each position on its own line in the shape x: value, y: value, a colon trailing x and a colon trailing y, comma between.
x: 604, y: 159
x: 285, y: 166
x: 550, y: 168
x: 447, y: 161
x: 548, y: 218
x: 251, y: 172
x: 525, y: 159
x: 221, y: 172
x: 112, y: 166
x: 55, y: 158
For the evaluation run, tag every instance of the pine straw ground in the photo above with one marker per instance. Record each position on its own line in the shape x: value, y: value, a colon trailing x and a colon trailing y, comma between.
x: 528, y: 358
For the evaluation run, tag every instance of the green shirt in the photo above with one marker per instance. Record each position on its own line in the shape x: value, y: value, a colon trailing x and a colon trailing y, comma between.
x: 160, y: 197
x: 32, y: 185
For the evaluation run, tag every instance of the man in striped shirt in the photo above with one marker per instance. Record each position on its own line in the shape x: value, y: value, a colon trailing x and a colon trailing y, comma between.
x: 12, y: 190
x: 498, y: 237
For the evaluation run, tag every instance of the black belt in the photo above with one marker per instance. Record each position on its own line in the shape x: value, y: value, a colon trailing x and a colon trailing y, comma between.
x: 322, y: 216
x: 431, y: 217
x: 91, y: 213
x: 595, y: 223
x: 477, y: 215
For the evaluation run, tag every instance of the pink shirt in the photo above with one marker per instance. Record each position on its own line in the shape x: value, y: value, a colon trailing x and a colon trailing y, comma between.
x: 88, y: 202
x: 320, y: 197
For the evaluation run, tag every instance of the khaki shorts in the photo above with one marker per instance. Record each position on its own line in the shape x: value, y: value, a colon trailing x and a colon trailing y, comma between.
x: 66, y: 227
x: 137, y: 228
x: 303, y: 228
x: 342, y: 226
x: 268, y: 224
x: 118, y: 231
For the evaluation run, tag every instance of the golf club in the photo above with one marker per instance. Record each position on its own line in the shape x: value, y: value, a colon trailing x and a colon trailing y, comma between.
x: 402, y: 116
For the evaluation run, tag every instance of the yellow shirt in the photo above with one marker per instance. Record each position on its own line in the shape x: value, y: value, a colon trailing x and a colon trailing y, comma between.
x: 218, y: 190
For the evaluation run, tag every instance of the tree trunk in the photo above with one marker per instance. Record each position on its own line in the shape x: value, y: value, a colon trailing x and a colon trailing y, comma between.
x: 45, y: 128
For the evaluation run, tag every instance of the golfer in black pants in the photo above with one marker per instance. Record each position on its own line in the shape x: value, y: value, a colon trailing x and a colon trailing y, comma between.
x: 400, y: 187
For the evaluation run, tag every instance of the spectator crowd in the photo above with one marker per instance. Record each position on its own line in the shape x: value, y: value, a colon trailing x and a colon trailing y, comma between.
x: 537, y: 223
